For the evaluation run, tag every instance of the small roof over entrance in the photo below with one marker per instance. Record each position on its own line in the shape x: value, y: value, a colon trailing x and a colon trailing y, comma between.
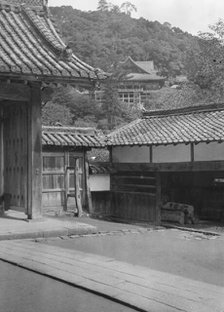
x: 32, y: 49
x: 72, y: 136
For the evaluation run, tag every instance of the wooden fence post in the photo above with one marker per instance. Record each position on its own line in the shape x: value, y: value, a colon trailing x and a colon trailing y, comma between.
x: 88, y: 191
x: 1, y: 161
x: 158, y: 199
x: 77, y: 190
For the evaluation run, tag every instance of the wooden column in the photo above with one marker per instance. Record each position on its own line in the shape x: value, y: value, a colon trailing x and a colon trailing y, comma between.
x: 158, y: 199
x: 88, y: 191
x: 1, y: 155
x: 192, y: 152
x: 34, y: 154
x: 110, y: 154
x: 77, y: 190
x: 150, y: 154
x: 66, y: 158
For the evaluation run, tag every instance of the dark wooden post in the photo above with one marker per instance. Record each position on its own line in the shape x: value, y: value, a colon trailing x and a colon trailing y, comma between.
x: 192, y: 152
x: 66, y: 158
x: 158, y: 199
x: 77, y: 190
x: 88, y: 191
x: 34, y: 154
x: 1, y: 160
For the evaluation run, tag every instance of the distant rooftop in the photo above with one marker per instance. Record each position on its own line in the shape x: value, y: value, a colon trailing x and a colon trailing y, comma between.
x: 141, y: 70
x: 147, y: 66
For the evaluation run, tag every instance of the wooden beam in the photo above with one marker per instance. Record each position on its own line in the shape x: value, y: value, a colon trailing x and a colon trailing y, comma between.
x: 167, y: 167
x: 15, y: 92
x: 75, y: 82
x: 34, y: 154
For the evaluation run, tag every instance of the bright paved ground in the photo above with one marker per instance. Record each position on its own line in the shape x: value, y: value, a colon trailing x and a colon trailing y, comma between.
x: 14, y: 225
x: 139, y: 285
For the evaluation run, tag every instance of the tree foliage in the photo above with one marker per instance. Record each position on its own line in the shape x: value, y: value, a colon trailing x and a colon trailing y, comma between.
x: 128, y: 8
x: 206, y: 68
x: 103, y: 5
x: 104, y: 37
x: 107, y: 36
x: 72, y: 108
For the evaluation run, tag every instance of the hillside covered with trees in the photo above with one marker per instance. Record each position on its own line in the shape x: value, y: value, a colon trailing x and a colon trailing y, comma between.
x: 107, y: 36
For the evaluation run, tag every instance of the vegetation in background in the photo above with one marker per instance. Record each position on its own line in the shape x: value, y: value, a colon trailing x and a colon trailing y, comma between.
x: 105, y: 37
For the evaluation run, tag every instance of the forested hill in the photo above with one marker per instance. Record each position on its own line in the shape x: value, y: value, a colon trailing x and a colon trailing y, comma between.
x: 104, y: 38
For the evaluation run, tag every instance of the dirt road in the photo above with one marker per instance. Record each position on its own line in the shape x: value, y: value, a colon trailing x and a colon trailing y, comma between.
x: 195, y: 256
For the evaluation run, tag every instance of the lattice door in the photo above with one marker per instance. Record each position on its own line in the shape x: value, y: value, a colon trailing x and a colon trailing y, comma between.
x: 15, y: 156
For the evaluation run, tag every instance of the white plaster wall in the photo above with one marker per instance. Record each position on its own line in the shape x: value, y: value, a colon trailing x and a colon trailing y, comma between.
x: 208, y: 152
x: 171, y: 153
x: 126, y: 154
x: 100, y: 182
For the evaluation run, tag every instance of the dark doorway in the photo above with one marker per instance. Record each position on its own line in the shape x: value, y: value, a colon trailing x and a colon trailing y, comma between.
x: 203, y: 190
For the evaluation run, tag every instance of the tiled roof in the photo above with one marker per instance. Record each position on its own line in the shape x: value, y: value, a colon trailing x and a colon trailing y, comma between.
x: 187, y: 125
x: 143, y: 77
x: 147, y: 66
x: 71, y: 136
x: 144, y: 66
x: 30, y: 46
x: 145, y: 70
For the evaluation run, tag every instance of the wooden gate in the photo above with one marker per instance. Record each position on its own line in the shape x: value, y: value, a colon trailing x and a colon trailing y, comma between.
x: 63, y: 182
x: 74, y: 189
x: 15, y: 123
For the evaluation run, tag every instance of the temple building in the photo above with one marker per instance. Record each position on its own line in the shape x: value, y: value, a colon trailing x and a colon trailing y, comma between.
x: 140, y: 78
x: 32, y: 58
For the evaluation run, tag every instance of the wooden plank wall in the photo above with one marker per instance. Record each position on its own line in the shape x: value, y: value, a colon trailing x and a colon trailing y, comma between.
x: 101, y: 204
x: 133, y: 206
x: 134, y: 196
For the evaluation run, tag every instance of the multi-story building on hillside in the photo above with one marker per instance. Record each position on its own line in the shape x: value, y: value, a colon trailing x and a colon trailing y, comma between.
x: 139, y: 79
